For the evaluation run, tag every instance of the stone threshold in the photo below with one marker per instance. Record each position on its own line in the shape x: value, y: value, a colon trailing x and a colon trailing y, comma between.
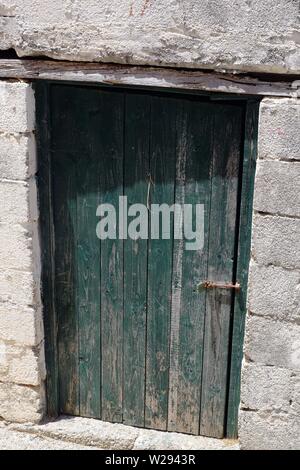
x: 98, y: 434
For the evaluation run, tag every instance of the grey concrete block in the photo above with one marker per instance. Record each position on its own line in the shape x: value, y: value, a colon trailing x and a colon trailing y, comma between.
x: 268, y: 431
x: 279, y: 129
x: 268, y: 388
x: 276, y: 240
x: 271, y: 342
x: 277, y: 188
x: 17, y: 106
x: 274, y: 292
x: 20, y: 403
x: 17, y: 156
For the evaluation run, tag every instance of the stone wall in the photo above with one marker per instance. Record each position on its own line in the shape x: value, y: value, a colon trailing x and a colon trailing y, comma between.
x: 270, y: 400
x: 255, y: 35
x: 22, y: 368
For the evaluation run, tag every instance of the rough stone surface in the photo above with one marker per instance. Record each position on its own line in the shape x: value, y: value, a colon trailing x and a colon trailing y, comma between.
x: 91, y: 432
x: 269, y: 417
x: 17, y: 156
x: 21, y: 403
x: 17, y: 107
x: 16, y: 247
x: 18, y: 288
x: 22, y: 363
x: 268, y: 431
x: 274, y: 343
x: 21, y: 325
x: 278, y: 124
x: 274, y: 292
x: 242, y: 35
x: 154, y: 440
x: 14, y: 208
x: 275, y: 388
x: 15, y: 440
x: 276, y: 241
x: 277, y: 187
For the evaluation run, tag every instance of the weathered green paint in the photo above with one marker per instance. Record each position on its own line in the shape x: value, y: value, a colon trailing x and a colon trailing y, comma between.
x: 129, y: 337
x: 65, y: 227
x: 243, y: 256
x: 161, y: 181
x: 88, y: 255
x: 136, y: 180
x: 110, y: 137
x: 47, y: 246
x: 222, y: 228
x: 194, y: 132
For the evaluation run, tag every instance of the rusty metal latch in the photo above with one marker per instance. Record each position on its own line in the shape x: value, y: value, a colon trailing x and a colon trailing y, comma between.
x: 217, y: 285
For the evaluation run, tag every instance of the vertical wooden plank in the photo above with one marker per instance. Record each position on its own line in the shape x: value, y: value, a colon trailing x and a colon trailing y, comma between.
x: 238, y: 324
x: 162, y: 171
x: 88, y: 253
x: 226, y: 159
x: 65, y: 222
x: 111, y: 130
x: 136, y: 168
x: 44, y: 181
x: 189, y: 268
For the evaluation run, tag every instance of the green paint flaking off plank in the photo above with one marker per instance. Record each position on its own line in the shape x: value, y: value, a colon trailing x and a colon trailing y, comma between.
x: 249, y: 163
x: 136, y: 180
x: 111, y: 124
x: 226, y: 159
x: 162, y: 171
x: 189, y: 268
x: 88, y: 255
x: 65, y: 222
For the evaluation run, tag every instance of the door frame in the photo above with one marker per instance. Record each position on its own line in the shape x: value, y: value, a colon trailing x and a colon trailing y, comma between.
x: 246, y: 190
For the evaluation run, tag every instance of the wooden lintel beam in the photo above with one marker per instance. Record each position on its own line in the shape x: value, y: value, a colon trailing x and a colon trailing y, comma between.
x: 143, y: 76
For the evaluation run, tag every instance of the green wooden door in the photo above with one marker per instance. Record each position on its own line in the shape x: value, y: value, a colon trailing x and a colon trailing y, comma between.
x: 131, y: 338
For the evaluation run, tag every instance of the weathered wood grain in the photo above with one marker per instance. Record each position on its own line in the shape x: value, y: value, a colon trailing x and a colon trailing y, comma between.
x: 136, y: 341
x: 88, y: 251
x: 65, y: 222
x: 162, y: 172
x: 243, y: 257
x: 222, y: 230
x: 111, y: 146
x: 136, y: 181
x: 189, y: 268
x: 125, y: 75
x: 44, y: 181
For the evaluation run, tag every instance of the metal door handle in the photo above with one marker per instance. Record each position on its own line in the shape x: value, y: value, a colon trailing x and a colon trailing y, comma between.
x: 217, y: 285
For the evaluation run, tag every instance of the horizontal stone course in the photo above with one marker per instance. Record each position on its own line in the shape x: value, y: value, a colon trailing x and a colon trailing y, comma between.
x: 269, y: 388
x: 276, y: 240
x: 17, y: 156
x: 277, y: 188
x: 279, y: 129
x: 21, y: 325
x: 273, y: 343
x: 268, y: 431
x: 115, y: 436
x: 18, y: 288
x: 14, y: 207
x: 21, y: 403
x: 274, y: 291
x: 17, y: 107
x: 16, y: 247
x: 22, y: 365
x: 260, y: 36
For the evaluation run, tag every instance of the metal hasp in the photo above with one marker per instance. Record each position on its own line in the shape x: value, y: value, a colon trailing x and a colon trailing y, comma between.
x: 216, y: 285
